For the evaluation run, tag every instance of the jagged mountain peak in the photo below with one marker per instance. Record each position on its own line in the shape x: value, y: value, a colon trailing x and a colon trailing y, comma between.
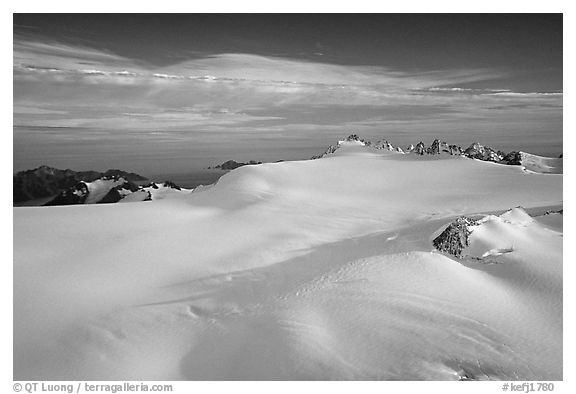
x: 475, y: 150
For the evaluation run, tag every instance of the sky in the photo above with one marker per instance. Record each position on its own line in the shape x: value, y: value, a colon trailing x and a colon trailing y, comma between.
x: 171, y: 93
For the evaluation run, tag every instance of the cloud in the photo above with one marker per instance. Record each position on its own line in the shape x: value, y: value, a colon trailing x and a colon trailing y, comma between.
x: 528, y: 95
x: 85, y: 87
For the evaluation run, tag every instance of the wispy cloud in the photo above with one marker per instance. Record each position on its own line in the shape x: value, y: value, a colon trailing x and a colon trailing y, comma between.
x: 528, y: 94
x: 62, y: 85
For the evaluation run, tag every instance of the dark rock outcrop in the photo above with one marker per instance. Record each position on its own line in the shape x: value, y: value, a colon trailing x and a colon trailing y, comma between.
x: 331, y: 149
x: 454, y: 150
x: 79, y: 193
x: 111, y: 197
x: 420, y: 149
x: 481, y: 152
x: 434, y: 149
x: 560, y: 211
x: 47, y: 181
x: 354, y: 137
x: 513, y: 158
x: 76, y: 194
x: 383, y: 144
x: 455, y: 237
x: 231, y: 164
x: 444, y: 147
x: 172, y: 185
x: 474, y: 151
x: 129, y: 176
x: 438, y: 147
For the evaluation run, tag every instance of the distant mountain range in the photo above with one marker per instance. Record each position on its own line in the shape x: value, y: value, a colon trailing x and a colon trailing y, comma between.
x: 232, y: 164
x: 67, y: 187
x: 53, y: 186
x: 474, y: 151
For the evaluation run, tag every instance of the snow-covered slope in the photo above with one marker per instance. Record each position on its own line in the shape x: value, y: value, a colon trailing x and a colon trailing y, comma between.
x: 163, y: 190
x: 318, y: 269
x: 542, y: 165
x: 100, y: 187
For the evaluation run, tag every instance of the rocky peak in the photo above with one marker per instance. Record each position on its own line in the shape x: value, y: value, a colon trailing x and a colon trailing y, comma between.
x: 331, y: 149
x: 513, y: 158
x: 172, y: 185
x: 481, y: 152
x: 455, y: 237
x: 444, y: 147
x: 383, y: 144
x: 434, y: 149
x: 474, y: 151
x: 232, y: 164
x: 454, y: 150
x: 420, y: 148
x: 76, y: 194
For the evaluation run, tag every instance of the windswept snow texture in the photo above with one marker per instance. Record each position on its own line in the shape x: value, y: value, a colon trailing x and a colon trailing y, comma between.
x: 318, y: 269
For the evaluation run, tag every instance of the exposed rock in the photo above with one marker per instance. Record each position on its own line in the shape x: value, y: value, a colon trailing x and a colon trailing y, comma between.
x: 454, y: 150
x: 47, y: 181
x: 128, y: 186
x: 111, y: 197
x: 492, y: 155
x: 231, y: 164
x: 434, y: 149
x: 172, y: 185
x: 129, y: 176
x: 383, y: 144
x: 76, y: 194
x: 331, y: 149
x: 444, y: 147
x: 79, y: 193
x: 438, y: 147
x: 561, y: 212
x: 474, y: 151
x: 481, y: 152
x: 420, y: 149
x: 513, y: 158
x: 455, y: 237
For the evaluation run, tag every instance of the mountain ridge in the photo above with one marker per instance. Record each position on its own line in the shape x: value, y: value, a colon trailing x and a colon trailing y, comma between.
x: 530, y: 162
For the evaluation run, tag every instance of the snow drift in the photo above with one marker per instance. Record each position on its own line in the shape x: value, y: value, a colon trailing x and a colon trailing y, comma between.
x: 319, y: 269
